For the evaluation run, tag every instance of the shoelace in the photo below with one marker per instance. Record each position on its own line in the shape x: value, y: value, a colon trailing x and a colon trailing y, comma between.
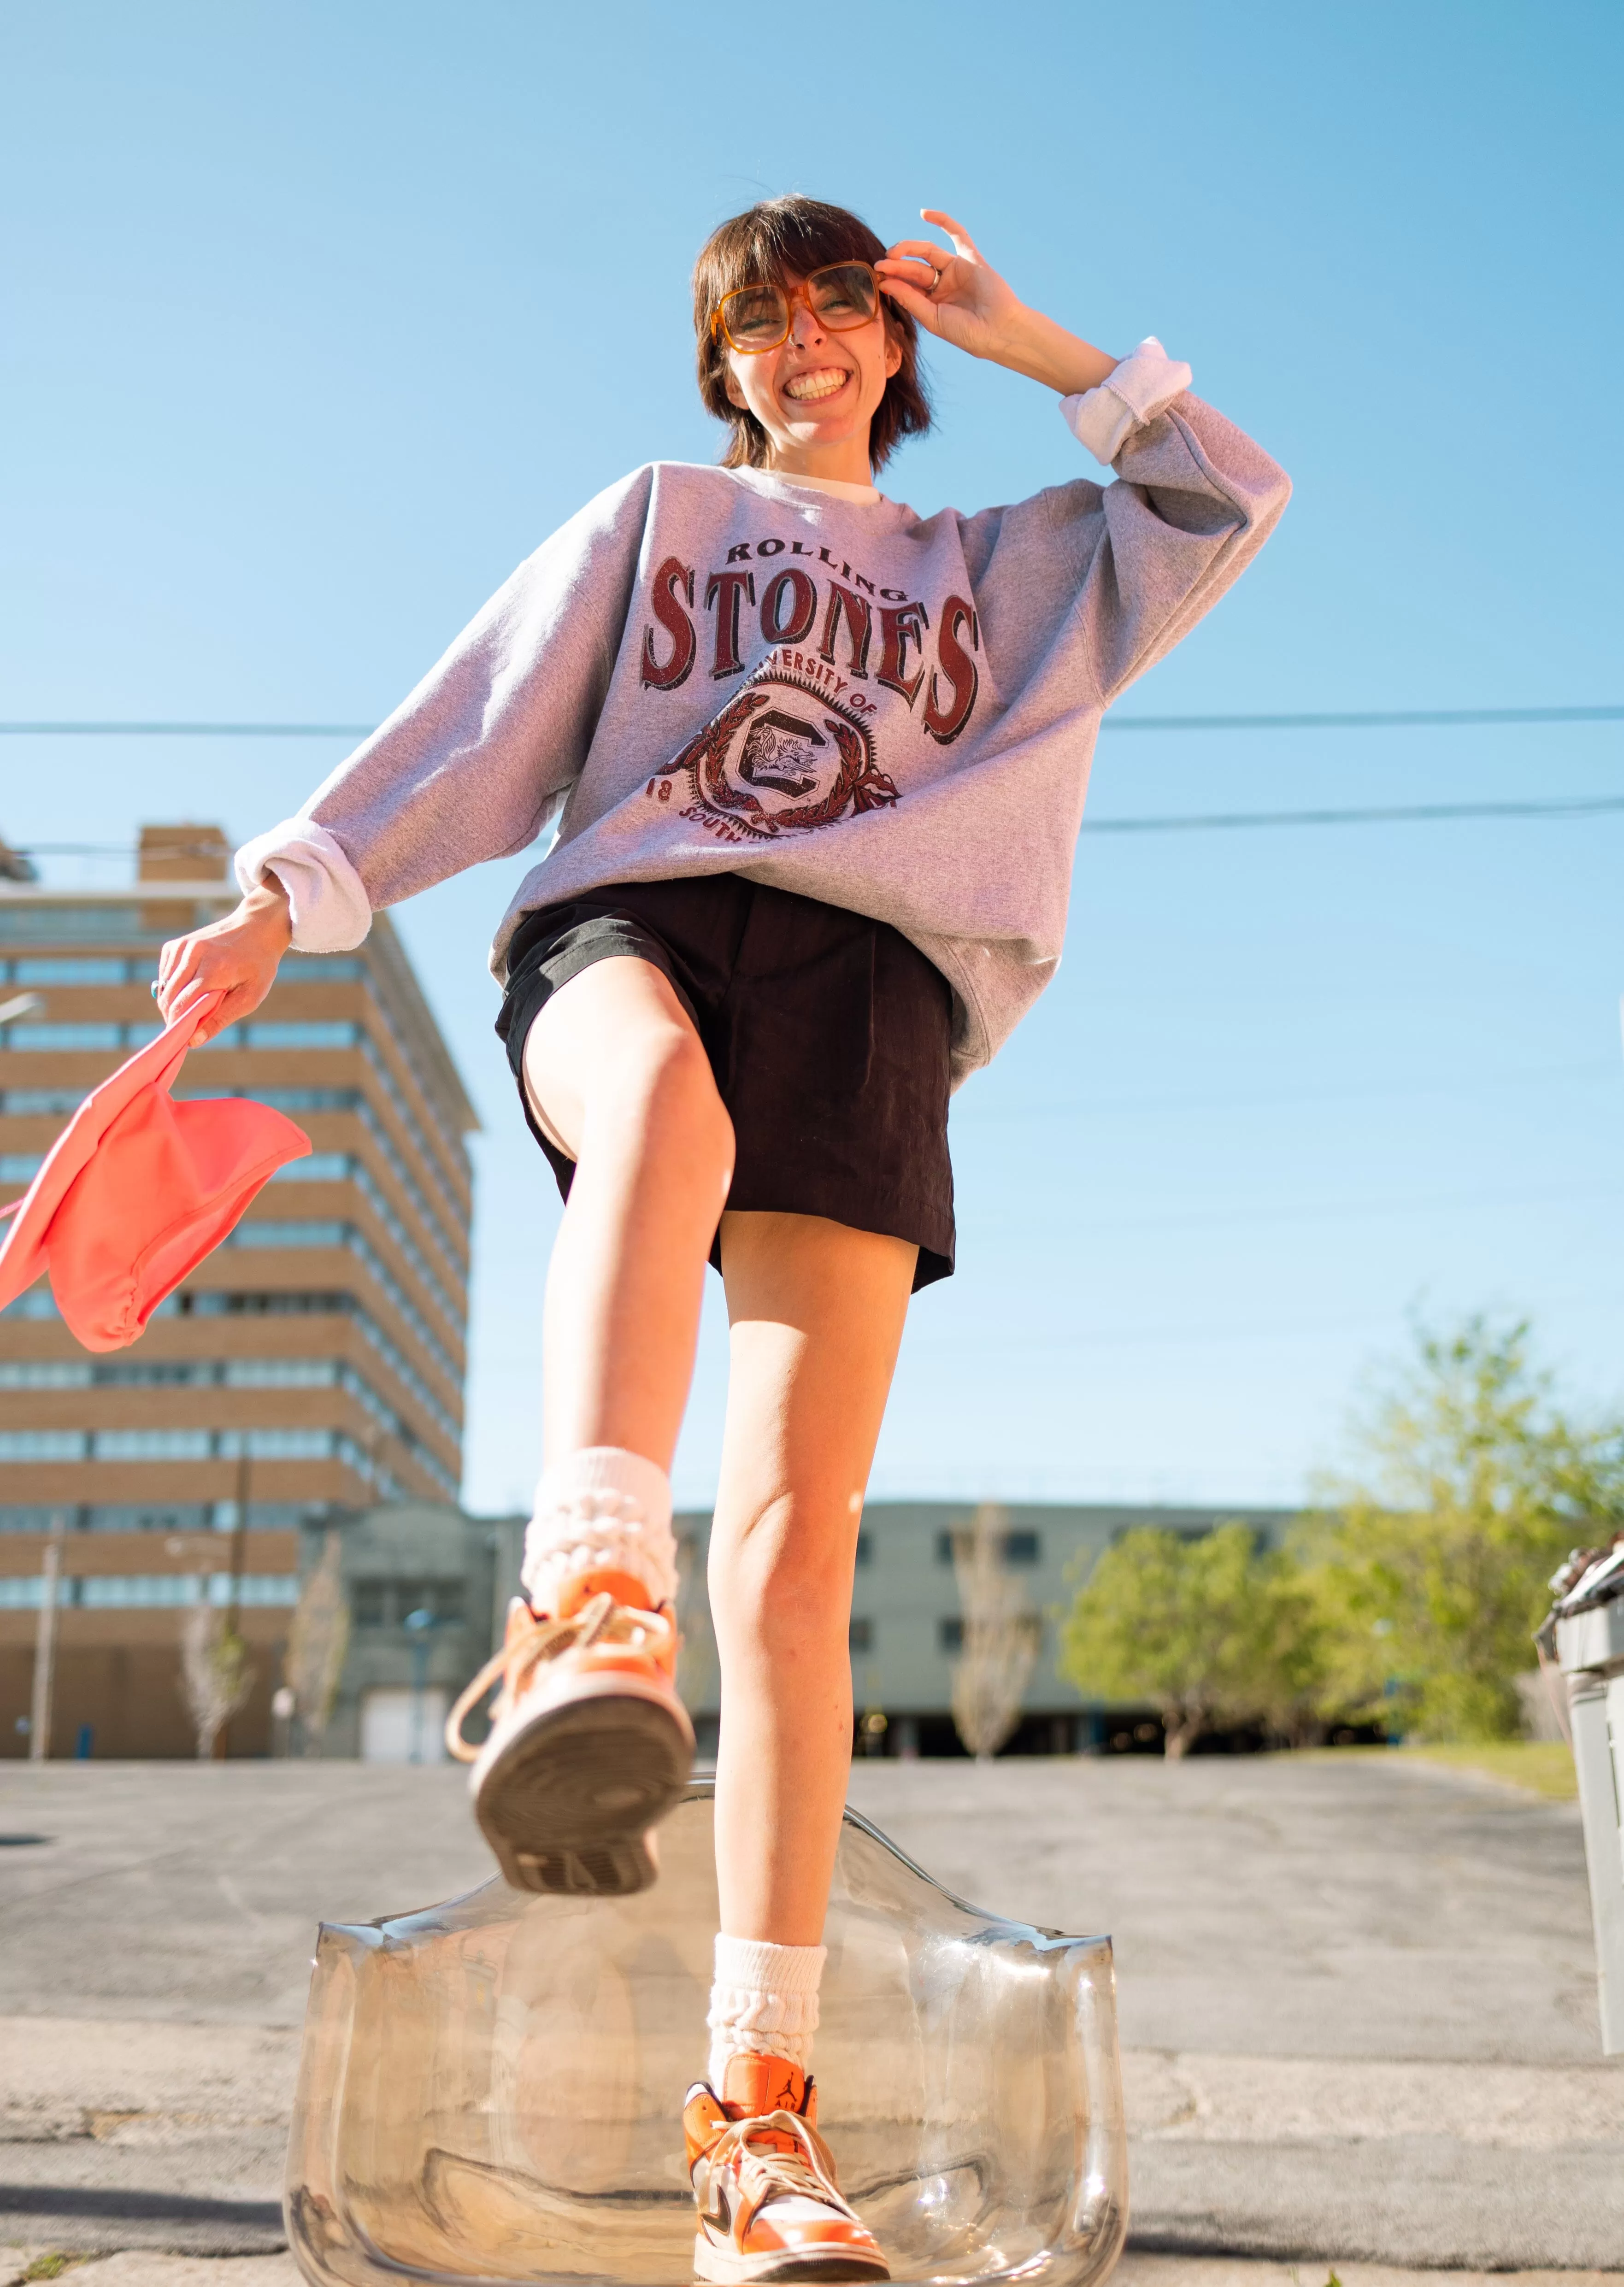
x: 602, y: 1621
x: 768, y: 2175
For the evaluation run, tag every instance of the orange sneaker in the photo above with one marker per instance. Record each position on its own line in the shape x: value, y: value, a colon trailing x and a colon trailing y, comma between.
x: 764, y: 2179
x: 589, y: 1743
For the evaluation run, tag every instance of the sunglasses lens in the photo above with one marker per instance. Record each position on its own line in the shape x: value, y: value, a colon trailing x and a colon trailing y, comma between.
x: 756, y: 318
x: 844, y: 295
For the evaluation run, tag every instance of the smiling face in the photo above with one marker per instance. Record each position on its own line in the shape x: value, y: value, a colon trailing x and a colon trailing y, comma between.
x: 817, y: 393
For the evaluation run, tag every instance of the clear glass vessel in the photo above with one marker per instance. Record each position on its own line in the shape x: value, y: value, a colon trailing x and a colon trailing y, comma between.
x: 491, y: 2090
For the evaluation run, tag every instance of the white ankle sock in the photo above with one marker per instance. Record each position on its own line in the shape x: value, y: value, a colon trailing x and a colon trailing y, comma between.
x: 600, y: 1510
x: 764, y: 2002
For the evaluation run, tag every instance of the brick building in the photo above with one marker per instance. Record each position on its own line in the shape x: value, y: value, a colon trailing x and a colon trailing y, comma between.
x: 311, y: 1367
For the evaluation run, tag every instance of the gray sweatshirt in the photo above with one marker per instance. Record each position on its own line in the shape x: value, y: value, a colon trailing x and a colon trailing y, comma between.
x: 712, y: 671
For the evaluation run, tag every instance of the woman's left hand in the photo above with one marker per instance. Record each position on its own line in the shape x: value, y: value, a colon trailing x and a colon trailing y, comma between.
x: 961, y: 298
x: 958, y: 296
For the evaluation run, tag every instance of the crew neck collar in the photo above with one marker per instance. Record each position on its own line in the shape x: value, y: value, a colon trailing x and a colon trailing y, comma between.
x: 858, y: 495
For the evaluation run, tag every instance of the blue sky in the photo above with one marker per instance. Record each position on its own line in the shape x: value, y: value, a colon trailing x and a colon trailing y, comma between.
x: 318, y: 318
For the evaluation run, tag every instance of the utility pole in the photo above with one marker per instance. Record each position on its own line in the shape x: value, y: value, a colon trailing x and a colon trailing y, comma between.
x: 239, y: 1560
x: 420, y: 1625
x: 45, y: 1642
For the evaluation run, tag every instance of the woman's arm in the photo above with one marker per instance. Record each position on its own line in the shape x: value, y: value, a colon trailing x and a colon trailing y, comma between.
x: 467, y: 768
x: 1131, y: 567
x: 961, y: 298
x: 235, y: 957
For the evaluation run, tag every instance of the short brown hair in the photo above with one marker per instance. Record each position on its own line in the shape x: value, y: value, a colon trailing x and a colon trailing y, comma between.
x: 792, y: 237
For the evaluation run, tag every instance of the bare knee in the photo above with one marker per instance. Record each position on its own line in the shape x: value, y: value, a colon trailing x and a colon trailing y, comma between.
x: 656, y: 1087
x: 781, y: 1581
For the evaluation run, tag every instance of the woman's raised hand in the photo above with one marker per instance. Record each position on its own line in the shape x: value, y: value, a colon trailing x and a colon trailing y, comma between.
x: 235, y: 958
x: 961, y: 298
x: 958, y: 296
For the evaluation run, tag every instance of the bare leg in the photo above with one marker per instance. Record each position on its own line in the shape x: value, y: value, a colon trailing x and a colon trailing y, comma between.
x: 589, y: 1746
x: 618, y: 1071
x: 816, y: 1311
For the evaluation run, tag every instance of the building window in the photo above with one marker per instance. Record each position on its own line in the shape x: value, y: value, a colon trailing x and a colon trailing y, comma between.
x: 1028, y: 1626
x: 152, y: 1445
x: 386, y: 1604
x: 315, y: 1168
x: 109, y: 1592
x: 369, y: 1602
x: 67, y: 971
x: 131, y: 1516
x: 42, y: 1445
x: 1017, y: 1547
x: 443, y: 1598
x: 64, y: 1039
x: 155, y: 1374
x: 257, y: 1589
x: 289, y: 1234
x: 38, y: 1303
x: 301, y: 1036
x: 40, y: 1103
x: 25, y: 924
x: 862, y: 1635
x: 213, y: 1304
x: 281, y: 1444
x: 281, y: 1373
x: 112, y: 1594
x: 44, y: 1374
x: 322, y: 969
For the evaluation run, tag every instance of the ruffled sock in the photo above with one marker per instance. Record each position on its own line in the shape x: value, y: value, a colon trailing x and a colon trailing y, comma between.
x: 602, y: 1519
x: 764, y: 2002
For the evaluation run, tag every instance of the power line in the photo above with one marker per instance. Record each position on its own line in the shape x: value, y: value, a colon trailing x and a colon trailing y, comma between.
x: 1415, y: 718
x: 1581, y: 806
x: 187, y: 730
x: 1425, y: 718
x: 1177, y: 822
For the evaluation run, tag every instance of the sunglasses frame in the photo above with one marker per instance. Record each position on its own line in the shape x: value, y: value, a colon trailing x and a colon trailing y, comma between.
x: 718, y: 324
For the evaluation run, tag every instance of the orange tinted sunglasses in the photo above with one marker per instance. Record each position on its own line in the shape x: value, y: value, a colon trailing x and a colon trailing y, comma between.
x: 755, y: 318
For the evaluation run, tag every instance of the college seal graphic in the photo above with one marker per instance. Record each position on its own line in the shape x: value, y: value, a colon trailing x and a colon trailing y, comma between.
x: 781, y: 757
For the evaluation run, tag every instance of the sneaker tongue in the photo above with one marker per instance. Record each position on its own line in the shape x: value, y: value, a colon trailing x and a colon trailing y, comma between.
x: 576, y: 1594
x: 756, y: 2085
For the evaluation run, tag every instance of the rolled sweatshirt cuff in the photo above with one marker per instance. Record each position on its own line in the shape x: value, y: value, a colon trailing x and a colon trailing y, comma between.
x: 329, y: 907
x: 1134, y: 392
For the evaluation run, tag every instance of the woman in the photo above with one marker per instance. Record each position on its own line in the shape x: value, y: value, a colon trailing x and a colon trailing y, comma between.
x: 821, y: 765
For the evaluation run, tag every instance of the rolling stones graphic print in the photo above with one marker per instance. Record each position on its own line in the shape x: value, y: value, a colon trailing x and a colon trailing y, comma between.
x: 780, y: 758
x: 795, y: 747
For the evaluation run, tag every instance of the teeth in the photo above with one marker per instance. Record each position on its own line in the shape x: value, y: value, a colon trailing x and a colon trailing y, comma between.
x: 807, y: 385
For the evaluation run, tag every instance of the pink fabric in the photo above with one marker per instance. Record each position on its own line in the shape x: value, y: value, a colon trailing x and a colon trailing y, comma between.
x: 137, y: 1190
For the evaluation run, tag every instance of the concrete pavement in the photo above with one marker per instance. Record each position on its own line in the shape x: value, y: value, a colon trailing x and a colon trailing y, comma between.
x: 142, y: 2267
x: 1358, y: 1995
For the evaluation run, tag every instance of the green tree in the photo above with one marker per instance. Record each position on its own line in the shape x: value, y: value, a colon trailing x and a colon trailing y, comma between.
x: 1428, y: 1566
x: 1207, y: 1631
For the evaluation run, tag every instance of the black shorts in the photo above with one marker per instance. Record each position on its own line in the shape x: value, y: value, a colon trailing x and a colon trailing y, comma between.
x: 828, y: 1034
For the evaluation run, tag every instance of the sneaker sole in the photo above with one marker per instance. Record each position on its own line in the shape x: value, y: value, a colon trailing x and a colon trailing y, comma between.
x: 568, y: 1805
x: 722, y: 2266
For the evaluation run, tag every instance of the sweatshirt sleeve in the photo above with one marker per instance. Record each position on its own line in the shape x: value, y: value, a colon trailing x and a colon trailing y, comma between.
x: 481, y: 756
x: 1194, y: 503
